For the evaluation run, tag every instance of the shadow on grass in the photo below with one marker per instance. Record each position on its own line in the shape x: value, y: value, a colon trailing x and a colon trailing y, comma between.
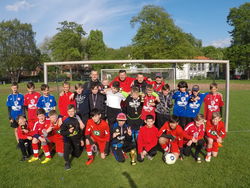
x: 130, y: 180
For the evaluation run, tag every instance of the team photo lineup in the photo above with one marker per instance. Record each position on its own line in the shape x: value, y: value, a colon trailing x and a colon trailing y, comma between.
x: 128, y: 119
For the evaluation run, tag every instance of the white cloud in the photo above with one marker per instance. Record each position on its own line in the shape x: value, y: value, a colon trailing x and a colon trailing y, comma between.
x: 221, y: 43
x: 19, y: 5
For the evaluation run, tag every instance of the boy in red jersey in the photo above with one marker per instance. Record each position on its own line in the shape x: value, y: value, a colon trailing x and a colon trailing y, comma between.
x: 96, y: 134
x: 215, y: 132
x: 30, y: 102
x: 171, y: 137
x: 149, y: 104
x: 53, y: 132
x: 213, y: 102
x: 39, y: 135
x: 65, y: 99
x: 194, y: 137
x: 147, y: 140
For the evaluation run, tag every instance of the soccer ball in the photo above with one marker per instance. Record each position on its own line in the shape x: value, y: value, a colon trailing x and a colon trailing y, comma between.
x: 169, y: 158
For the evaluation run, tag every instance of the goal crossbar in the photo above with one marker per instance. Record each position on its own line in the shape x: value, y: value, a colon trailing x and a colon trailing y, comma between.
x: 161, y: 61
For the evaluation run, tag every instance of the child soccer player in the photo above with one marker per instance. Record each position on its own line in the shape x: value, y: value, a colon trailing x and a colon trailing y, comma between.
x: 171, y: 137
x: 72, y: 135
x: 133, y: 109
x: 15, y: 107
x: 96, y: 134
x: 46, y: 101
x: 97, y: 100
x: 194, y: 137
x: 81, y: 97
x: 121, y: 141
x: 114, y: 98
x: 215, y: 132
x: 149, y: 103
x: 164, y: 106
x: 64, y: 99
x: 181, y: 98
x: 39, y: 136
x: 53, y: 132
x: 147, y: 140
x: 30, y: 102
x: 213, y: 102
x: 158, y: 83
x: 23, y: 132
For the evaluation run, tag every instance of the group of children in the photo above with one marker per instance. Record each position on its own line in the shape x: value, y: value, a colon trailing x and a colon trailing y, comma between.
x: 106, y: 119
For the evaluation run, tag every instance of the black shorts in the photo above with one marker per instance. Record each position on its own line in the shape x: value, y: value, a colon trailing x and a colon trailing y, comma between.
x: 14, y: 124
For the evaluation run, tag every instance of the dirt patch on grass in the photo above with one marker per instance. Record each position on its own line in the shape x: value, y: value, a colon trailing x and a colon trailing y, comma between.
x: 205, y: 87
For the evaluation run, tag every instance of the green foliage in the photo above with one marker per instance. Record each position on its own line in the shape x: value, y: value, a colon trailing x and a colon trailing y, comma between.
x: 18, y: 50
x: 95, y: 46
x: 213, y: 52
x: 66, y: 44
x: 159, y: 38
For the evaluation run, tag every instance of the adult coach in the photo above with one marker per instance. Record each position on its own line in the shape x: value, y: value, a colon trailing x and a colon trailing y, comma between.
x: 94, y: 80
x: 124, y: 80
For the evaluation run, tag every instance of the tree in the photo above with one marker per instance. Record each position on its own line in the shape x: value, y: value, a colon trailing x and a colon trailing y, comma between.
x: 18, y: 51
x: 66, y: 44
x: 159, y: 38
x: 96, y: 48
x: 213, y: 52
x: 239, y: 51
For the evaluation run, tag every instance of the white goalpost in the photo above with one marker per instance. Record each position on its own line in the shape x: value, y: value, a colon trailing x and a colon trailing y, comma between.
x: 160, y: 61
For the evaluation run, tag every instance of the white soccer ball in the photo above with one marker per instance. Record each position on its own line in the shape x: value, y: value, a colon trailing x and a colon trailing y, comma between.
x: 170, y: 158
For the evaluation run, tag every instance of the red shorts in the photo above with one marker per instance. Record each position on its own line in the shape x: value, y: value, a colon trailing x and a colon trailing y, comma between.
x: 58, y: 141
x: 174, y: 148
x: 101, y: 145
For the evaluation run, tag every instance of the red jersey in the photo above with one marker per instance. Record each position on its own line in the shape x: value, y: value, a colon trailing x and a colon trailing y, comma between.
x: 177, y: 133
x: 40, y: 126
x: 158, y: 87
x: 21, y: 134
x: 63, y: 103
x: 147, y: 138
x: 125, y: 85
x: 56, y: 129
x: 30, y: 100
x: 212, y: 104
x: 99, y: 132
x: 192, y: 131
x: 215, y: 131
x: 147, y: 109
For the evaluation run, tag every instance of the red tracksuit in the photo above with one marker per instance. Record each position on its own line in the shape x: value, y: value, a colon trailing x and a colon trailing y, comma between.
x: 175, y: 145
x: 212, y: 103
x: 21, y: 134
x: 125, y: 85
x: 30, y: 100
x: 192, y: 131
x: 63, y: 103
x: 147, y: 138
x: 215, y: 131
x: 148, y: 109
x: 99, y: 133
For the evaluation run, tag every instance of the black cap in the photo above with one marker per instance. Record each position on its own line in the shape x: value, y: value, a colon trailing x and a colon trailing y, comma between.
x: 158, y: 74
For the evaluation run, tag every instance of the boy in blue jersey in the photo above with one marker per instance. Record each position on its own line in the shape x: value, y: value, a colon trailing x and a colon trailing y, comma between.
x: 46, y: 101
x: 181, y: 98
x: 194, y: 103
x: 15, y: 107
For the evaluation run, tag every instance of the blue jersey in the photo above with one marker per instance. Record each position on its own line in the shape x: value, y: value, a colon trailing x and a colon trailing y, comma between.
x: 180, y: 104
x: 193, y: 107
x: 15, y: 102
x: 47, y: 103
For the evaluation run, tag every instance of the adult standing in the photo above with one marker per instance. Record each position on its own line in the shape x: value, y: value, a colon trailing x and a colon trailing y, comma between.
x: 94, y: 80
x: 124, y: 80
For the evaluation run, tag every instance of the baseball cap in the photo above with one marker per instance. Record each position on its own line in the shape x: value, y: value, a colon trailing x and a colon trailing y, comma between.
x: 158, y: 74
x: 195, y: 88
x: 121, y: 116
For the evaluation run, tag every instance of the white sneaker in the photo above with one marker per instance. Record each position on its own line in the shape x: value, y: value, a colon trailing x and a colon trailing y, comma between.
x: 208, y: 158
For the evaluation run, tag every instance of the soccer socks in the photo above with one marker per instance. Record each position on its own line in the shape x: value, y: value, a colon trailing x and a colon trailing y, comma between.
x: 35, y: 150
x: 165, y: 147
x: 89, y: 151
x: 46, y: 150
x: 209, y: 151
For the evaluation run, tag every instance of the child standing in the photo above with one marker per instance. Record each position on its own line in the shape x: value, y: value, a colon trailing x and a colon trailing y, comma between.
x: 213, y: 102
x: 194, y: 137
x: 30, y: 102
x: 147, y: 140
x: 65, y: 99
x: 15, y: 106
x: 164, y: 106
x: 46, y: 101
x: 215, y: 132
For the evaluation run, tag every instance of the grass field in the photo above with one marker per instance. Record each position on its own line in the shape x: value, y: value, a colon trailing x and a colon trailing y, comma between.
x: 230, y: 169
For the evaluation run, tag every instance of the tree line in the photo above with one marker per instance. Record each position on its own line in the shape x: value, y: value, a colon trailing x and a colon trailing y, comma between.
x: 157, y: 37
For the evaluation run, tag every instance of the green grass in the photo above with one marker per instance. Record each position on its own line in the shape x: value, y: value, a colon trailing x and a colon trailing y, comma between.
x: 230, y: 169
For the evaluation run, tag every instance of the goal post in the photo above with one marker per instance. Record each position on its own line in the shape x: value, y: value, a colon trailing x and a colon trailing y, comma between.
x: 160, y: 61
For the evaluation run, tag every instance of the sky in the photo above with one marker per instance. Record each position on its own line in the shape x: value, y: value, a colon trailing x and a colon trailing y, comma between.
x: 205, y: 19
